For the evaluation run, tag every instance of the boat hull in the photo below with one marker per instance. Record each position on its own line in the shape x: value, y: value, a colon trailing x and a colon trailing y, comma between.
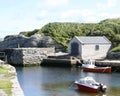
x: 87, y: 89
x: 98, y: 69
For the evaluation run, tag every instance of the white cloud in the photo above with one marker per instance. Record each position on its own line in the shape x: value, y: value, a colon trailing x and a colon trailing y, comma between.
x: 7, y: 32
x: 53, y: 3
x: 91, y: 19
x: 86, y: 15
x: 112, y: 3
x: 76, y: 13
x: 46, y: 15
x: 70, y: 13
x: 105, y: 15
x: 108, y: 4
x: 43, y: 13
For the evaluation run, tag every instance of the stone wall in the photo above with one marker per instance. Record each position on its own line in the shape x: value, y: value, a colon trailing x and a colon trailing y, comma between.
x: 27, y: 56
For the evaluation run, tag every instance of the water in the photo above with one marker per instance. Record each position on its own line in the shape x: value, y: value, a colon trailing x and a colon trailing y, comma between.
x: 52, y: 81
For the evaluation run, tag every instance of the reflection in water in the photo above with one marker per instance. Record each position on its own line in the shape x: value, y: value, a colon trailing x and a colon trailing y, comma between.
x: 52, y: 81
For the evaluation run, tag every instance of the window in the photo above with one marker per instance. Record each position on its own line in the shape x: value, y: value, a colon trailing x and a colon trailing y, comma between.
x: 97, y: 47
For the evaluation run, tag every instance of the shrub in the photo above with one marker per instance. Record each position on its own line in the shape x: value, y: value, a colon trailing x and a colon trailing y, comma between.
x: 116, y: 49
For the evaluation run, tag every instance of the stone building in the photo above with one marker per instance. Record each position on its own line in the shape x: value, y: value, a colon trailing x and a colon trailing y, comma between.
x: 89, y: 47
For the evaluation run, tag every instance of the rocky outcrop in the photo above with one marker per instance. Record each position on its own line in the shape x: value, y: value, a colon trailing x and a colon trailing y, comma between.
x: 113, y: 56
x: 36, y: 40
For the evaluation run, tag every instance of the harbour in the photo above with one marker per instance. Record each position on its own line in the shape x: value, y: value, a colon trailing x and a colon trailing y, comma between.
x: 43, y: 48
x: 54, y: 81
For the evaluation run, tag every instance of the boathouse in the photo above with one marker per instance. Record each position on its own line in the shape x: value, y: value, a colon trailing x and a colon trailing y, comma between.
x: 89, y: 47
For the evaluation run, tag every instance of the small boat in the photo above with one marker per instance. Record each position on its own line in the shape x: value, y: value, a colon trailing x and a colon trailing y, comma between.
x: 88, y: 84
x: 89, y: 66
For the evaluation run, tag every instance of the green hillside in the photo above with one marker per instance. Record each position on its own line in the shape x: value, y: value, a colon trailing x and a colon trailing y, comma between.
x: 62, y: 33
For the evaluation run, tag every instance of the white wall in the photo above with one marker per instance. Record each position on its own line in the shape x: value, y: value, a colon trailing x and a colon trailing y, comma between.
x: 89, y: 52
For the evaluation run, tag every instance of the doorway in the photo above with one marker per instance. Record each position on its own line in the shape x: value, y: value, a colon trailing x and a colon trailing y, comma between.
x: 74, y: 49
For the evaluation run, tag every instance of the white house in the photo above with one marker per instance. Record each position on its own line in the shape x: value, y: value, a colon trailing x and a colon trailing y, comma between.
x: 89, y: 47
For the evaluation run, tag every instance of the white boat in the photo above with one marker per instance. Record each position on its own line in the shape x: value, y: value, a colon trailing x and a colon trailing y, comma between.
x: 89, y: 66
x: 88, y: 84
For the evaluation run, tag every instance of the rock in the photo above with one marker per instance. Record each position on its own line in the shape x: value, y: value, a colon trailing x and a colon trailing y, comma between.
x: 36, y: 40
x: 113, y: 56
x: 2, y: 62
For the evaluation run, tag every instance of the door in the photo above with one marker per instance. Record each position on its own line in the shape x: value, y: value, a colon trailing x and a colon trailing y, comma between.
x: 74, y: 49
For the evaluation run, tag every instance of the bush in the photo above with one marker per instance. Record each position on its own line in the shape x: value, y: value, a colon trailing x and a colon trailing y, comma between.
x: 116, y: 49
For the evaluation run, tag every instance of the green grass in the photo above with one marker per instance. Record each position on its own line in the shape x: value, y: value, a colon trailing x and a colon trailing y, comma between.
x: 3, y: 70
x: 6, y: 85
x: 116, y: 49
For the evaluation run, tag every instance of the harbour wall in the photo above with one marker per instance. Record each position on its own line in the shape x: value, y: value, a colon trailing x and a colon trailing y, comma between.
x: 112, y: 63
x: 63, y: 61
x: 115, y: 64
x: 40, y: 56
x: 27, y: 56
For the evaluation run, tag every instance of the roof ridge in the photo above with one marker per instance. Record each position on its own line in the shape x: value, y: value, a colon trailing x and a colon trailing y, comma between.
x: 106, y: 39
x: 77, y: 37
x: 92, y: 39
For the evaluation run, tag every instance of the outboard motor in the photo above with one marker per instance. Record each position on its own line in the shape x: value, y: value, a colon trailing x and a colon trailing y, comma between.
x: 101, y: 88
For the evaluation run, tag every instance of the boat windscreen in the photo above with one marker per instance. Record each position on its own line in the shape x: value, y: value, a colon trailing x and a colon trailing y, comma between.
x: 87, y: 81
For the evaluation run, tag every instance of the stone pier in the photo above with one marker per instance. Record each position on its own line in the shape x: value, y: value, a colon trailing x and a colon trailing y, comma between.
x: 27, y: 56
x: 115, y: 64
x: 112, y: 63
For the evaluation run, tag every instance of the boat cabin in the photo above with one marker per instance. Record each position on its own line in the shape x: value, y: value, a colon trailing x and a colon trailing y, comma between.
x: 88, y: 80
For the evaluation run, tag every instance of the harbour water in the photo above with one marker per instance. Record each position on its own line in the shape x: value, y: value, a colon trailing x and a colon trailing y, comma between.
x: 53, y: 81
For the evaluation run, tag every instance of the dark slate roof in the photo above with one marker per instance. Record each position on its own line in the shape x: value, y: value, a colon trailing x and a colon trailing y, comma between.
x: 93, y: 39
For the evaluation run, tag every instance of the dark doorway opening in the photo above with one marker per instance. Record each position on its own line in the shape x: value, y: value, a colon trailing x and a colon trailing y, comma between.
x: 74, y: 49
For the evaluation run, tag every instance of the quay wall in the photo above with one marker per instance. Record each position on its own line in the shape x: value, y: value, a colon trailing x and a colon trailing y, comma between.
x: 56, y: 62
x: 112, y: 63
x: 115, y: 64
x: 61, y: 61
x: 27, y: 56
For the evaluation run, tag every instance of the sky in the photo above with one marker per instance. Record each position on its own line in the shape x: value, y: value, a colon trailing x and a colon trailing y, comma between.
x: 26, y: 15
